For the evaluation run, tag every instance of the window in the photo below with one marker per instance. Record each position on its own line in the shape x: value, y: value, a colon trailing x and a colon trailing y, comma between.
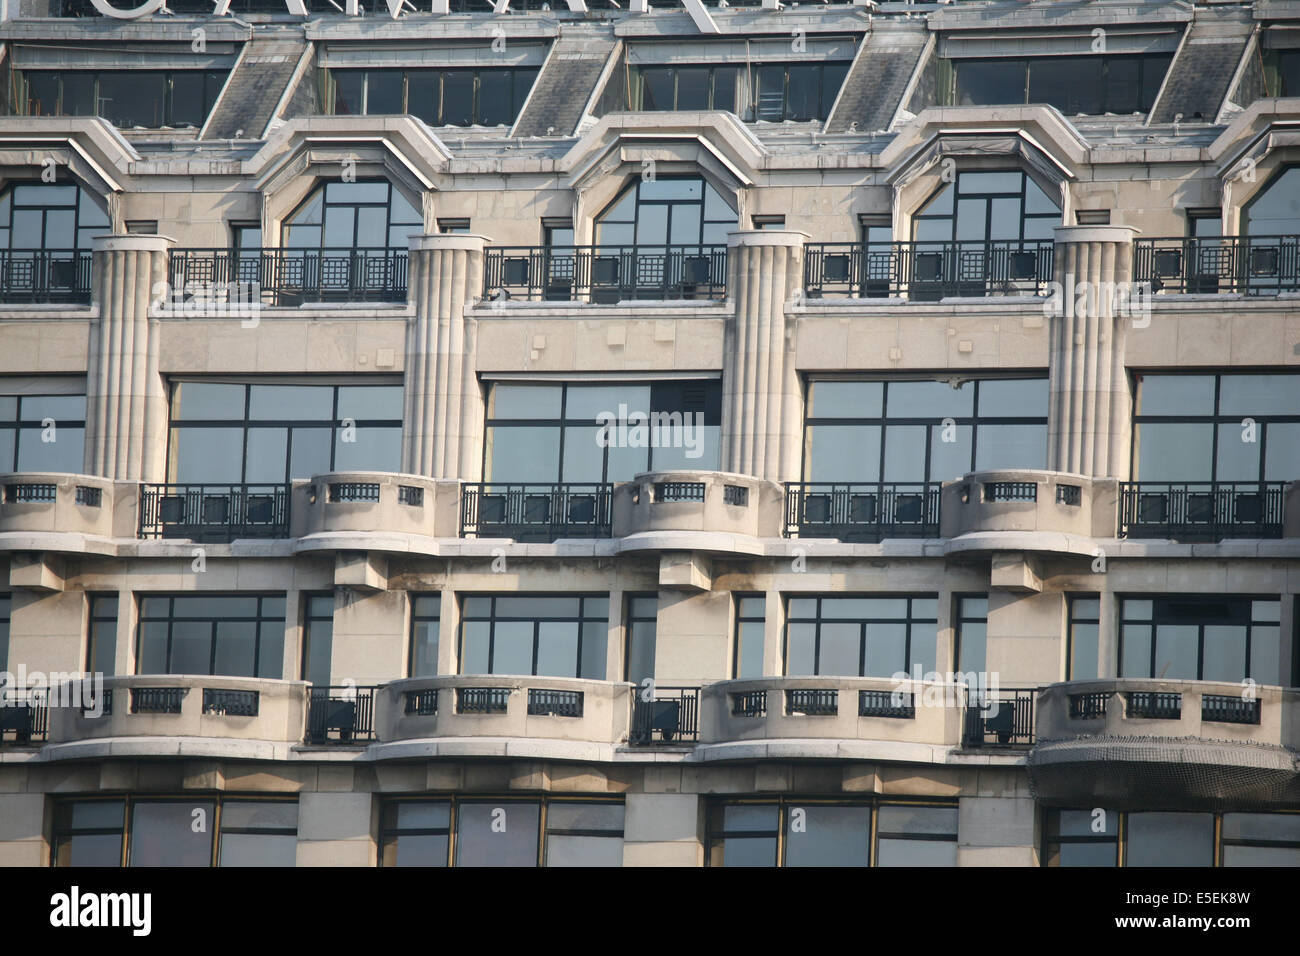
x: 459, y: 97
x: 558, y: 636
x: 915, y: 431
x: 1218, y: 638
x: 861, y: 636
x: 453, y: 225
x: 42, y: 432
x: 751, y: 622
x: 1199, y: 428
x: 1091, y: 85
x: 986, y: 206
x: 102, y: 655
x: 6, y: 612
x: 669, y: 210
x: 1281, y: 72
x: 793, y: 831
x: 149, y: 831
x: 126, y: 98
x: 49, y: 217
x: 366, y: 214
x: 1092, y: 217
x: 642, y: 622
x: 1081, y: 838
x: 972, y: 634
x: 425, y: 611
x: 768, y: 92
x: 594, y: 433
x: 317, y: 638
x: 237, y: 433
x: 1275, y: 210
x: 234, y: 636
x: 1261, y: 839
x: 768, y: 222
x: 513, y: 832
x: 557, y: 233
x: 1204, y: 223
x: 1099, y: 837
x: 1085, y: 621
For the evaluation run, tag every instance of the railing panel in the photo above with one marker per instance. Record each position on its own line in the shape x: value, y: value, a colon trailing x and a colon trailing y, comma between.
x: 927, y: 271
x: 670, y: 715
x: 999, y: 718
x: 341, y: 714
x: 1201, y: 510
x: 605, y: 273
x: 24, y: 716
x: 214, y: 512
x: 287, y: 277
x: 45, y: 275
x: 536, y: 512
x: 862, y: 512
x: 1245, y: 265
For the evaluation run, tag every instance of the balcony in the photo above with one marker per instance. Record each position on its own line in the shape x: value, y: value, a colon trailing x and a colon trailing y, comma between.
x: 1031, y: 501
x: 1166, y: 744
x: 817, y: 716
x: 214, y: 513
x: 342, y: 714
x: 927, y: 271
x: 604, y: 273
x: 861, y: 512
x: 24, y: 717
x: 416, y: 715
x: 45, y: 275
x: 536, y: 512
x: 59, y: 504
x: 365, y: 503
x: 1201, y: 511
x: 665, y: 716
x: 262, y: 712
x: 998, y: 719
x: 291, y: 277
x: 697, y: 501
x: 1244, y: 265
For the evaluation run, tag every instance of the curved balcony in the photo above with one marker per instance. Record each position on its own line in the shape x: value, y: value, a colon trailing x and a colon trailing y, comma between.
x: 366, y: 502
x: 1166, y: 743
x: 669, y: 504
x: 851, y: 717
x: 47, y: 503
x: 169, y: 714
x: 492, y: 715
x: 1029, y: 501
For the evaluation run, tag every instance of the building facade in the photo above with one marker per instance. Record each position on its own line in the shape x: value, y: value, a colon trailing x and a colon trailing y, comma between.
x: 531, y: 434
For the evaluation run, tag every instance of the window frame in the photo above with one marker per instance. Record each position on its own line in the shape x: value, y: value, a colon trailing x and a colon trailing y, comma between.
x: 739, y: 618
x: 516, y: 76
x: 910, y: 622
x: 1121, y: 836
x: 214, y: 81
x: 988, y: 197
x: 1145, y: 62
x: 492, y: 619
x: 1073, y: 599
x: 1200, y: 624
x: 416, y: 597
x: 258, y: 620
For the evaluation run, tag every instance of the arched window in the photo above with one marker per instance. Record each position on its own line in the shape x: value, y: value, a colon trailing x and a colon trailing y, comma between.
x: 45, y: 241
x: 669, y: 210
x: 363, y: 215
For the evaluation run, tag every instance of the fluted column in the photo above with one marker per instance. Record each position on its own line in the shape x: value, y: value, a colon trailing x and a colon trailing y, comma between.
x: 442, y: 431
x: 1089, y: 407
x: 762, y: 404
x: 126, y: 403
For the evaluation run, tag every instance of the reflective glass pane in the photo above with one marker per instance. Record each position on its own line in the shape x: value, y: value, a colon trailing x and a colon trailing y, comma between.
x: 1175, y: 452
x: 526, y: 401
x: 1011, y: 446
x: 832, y: 399
x: 800, y: 648
x: 205, y: 401
x: 259, y: 849
x: 163, y: 834
x: 1170, y: 839
x: 289, y: 402
x: 501, y: 834
x: 1176, y: 395
x: 1225, y: 653
x: 827, y: 836
x: 843, y: 453
x: 1013, y: 398
x: 930, y: 400
x: 841, y: 648
x: 1176, y: 652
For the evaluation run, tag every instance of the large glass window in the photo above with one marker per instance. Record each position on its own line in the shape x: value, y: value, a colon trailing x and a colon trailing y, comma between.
x: 513, y: 832
x: 767, y: 92
x: 592, y: 433
x: 126, y: 98
x: 667, y: 210
x: 1091, y: 85
x: 972, y: 634
x: 549, y: 636
x: 1199, y: 428
x: 148, y: 831
x: 425, y: 613
x: 1100, y: 837
x: 366, y: 214
x: 861, y: 636
x: 987, y: 206
x: 102, y: 656
x: 912, y: 431
x: 793, y: 831
x: 458, y: 97
x: 642, y: 633
x: 42, y: 432
x: 1085, y: 623
x: 49, y: 217
x: 1217, y: 638
x: 317, y: 638
x: 231, y: 635
x: 267, y: 434
x: 751, y: 623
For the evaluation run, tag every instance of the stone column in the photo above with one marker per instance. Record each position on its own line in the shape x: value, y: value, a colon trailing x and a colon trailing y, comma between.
x: 1089, y: 423
x: 762, y: 403
x: 126, y: 403
x: 442, y: 434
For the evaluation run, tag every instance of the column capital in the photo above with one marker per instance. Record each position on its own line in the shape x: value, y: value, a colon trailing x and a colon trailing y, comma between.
x: 449, y: 241
x: 131, y: 243
x: 1095, y: 233
x: 766, y: 237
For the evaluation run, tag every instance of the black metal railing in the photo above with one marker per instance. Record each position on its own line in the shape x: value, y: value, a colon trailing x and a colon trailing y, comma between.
x: 230, y: 703
x: 1223, y: 709
x: 341, y: 714
x: 1069, y: 495
x: 482, y: 700
x: 1154, y: 705
x: 535, y: 512
x: 812, y: 702
x: 999, y: 718
x: 345, y: 491
x: 291, y: 276
x: 554, y: 703
x: 1201, y: 510
x: 735, y: 495
x: 30, y: 493
x: 214, y: 512
x: 861, y: 512
x: 104, y: 704
x: 157, y: 700
x: 24, y: 717
x: 45, y: 275
x: 605, y: 273
x: 926, y: 271
x: 679, y: 491
x: 1011, y: 491
x: 751, y: 703
x: 1088, y: 706
x: 412, y: 495
x: 422, y: 703
x: 88, y: 496
x: 886, y: 703
x: 1248, y: 265
x: 667, y: 715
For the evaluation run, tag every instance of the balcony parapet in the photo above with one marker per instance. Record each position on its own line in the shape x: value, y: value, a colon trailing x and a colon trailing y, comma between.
x: 366, y: 503
x: 698, y: 501
x: 56, y: 503
x: 1023, y: 500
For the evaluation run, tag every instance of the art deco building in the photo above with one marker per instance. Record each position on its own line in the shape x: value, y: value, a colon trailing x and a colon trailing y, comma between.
x: 770, y: 434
